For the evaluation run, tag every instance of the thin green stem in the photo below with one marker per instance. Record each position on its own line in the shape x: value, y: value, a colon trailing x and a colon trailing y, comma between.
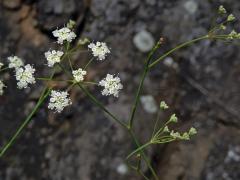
x: 70, y: 63
x: 144, y: 156
x: 156, y: 123
x: 95, y: 101
x: 139, y: 149
x: 210, y: 36
x: 176, y: 48
x: 89, y: 62
x: 25, y: 123
x: 4, y: 69
x: 143, y: 175
x: 144, y: 74
x: 53, y: 80
x: 88, y: 82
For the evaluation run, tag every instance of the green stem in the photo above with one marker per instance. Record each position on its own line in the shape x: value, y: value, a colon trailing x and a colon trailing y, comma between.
x: 139, y: 149
x: 144, y: 74
x: 3, y: 69
x: 176, y: 48
x: 144, y: 156
x: 88, y: 82
x: 95, y: 101
x: 27, y: 120
x: 89, y: 62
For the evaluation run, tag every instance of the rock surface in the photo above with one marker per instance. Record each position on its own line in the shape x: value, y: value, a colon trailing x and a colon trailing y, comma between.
x: 82, y: 143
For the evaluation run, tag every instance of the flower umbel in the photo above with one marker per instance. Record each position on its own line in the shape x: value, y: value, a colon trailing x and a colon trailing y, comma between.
x: 59, y: 100
x: 79, y: 74
x: 53, y: 57
x: 1, y: 88
x: 64, y: 34
x: 111, y: 85
x: 25, y: 76
x: 99, y: 50
x: 15, y: 62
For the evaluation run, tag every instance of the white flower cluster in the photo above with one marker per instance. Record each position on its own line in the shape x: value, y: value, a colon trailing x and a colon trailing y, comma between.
x: 15, y: 62
x: 64, y: 34
x: 99, y: 50
x: 1, y: 88
x: 25, y: 76
x: 53, y: 57
x: 79, y: 74
x: 111, y: 85
x: 59, y: 100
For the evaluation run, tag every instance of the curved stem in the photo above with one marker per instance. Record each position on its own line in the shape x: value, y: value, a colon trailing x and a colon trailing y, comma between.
x: 139, y: 149
x: 95, y: 101
x: 25, y: 123
x: 4, y: 69
x: 144, y: 74
x: 176, y: 48
x: 144, y: 156
x: 89, y: 62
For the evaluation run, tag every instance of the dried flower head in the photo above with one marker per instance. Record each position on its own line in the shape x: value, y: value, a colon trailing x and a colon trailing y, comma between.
x: 79, y: 74
x: 59, y: 100
x: 99, y: 50
x: 53, y: 57
x: 25, y: 76
x: 15, y: 62
x: 112, y: 85
x: 64, y: 34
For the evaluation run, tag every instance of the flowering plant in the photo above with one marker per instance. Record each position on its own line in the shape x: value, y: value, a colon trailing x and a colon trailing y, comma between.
x: 111, y: 85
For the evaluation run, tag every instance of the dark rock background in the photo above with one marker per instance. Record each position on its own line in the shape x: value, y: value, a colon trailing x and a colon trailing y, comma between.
x: 82, y: 143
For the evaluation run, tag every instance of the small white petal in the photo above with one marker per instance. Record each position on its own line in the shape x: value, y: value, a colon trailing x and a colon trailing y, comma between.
x: 25, y: 76
x: 99, y: 50
x: 15, y: 62
x: 59, y: 100
x: 64, y: 34
x: 53, y: 57
x: 79, y: 74
x: 112, y: 85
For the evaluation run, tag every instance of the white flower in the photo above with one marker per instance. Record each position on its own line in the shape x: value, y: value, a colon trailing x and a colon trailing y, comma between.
x: 24, y: 76
x: 1, y: 88
x: 99, y: 50
x: 53, y: 57
x: 15, y: 62
x: 79, y: 74
x: 1, y: 65
x: 64, y: 34
x: 111, y: 85
x: 59, y: 100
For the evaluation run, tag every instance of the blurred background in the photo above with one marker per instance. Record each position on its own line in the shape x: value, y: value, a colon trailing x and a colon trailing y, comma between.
x: 200, y: 84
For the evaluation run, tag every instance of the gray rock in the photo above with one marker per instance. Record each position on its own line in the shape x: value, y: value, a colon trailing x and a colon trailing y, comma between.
x: 144, y: 41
